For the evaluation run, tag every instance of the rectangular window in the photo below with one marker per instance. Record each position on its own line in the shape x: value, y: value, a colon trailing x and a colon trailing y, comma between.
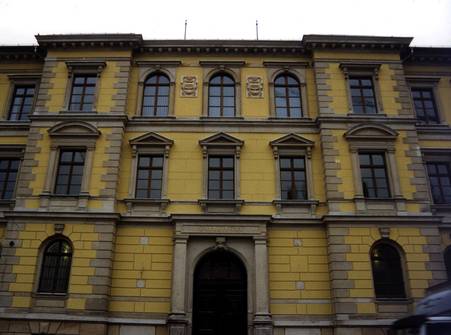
x: 70, y: 172
x: 374, y: 175
x: 83, y: 92
x: 149, y: 177
x: 21, y: 103
x: 362, y: 95
x: 9, y: 168
x: 221, y: 177
x: 440, y: 180
x: 292, y: 178
x: 424, y: 102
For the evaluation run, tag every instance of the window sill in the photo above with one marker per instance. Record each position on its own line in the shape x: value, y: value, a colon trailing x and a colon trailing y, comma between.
x: 395, y: 307
x: 49, y: 302
x: 364, y: 116
x: 292, y: 119
x: 441, y: 208
x: 7, y: 204
x: 393, y: 301
x: 216, y: 118
x: 49, y: 295
x: 296, y: 206
x: 64, y: 202
x: 143, y: 205
x: 148, y: 118
x: 433, y: 127
x: 14, y: 125
x: 232, y: 206
x: 391, y: 206
x: 77, y: 112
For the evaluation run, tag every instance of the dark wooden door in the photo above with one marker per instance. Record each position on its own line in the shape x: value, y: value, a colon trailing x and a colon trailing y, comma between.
x: 220, y: 300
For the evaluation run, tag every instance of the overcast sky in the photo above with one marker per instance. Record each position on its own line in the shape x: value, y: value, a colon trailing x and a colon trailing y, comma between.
x: 428, y: 21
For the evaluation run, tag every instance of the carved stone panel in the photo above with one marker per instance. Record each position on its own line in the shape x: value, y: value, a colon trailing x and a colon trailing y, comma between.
x: 189, y: 86
x: 254, y: 87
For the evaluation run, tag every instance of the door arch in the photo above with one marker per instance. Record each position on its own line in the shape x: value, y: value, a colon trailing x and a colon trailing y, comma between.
x: 220, y: 295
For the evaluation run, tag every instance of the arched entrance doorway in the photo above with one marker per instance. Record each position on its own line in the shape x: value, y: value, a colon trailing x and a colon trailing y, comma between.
x: 220, y: 295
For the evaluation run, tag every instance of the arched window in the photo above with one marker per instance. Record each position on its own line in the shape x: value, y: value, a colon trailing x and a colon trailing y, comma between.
x: 387, y: 272
x: 156, y: 95
x: 287, y: 94
x: 221, y: 96
x: 55, y: 268
x: 447, y: 256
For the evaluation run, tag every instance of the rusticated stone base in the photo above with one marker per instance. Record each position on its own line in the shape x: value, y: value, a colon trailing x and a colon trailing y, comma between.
x: 25, y: 327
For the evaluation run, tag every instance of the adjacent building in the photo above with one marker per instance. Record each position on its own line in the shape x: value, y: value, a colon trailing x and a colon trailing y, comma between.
x: 153, y: 187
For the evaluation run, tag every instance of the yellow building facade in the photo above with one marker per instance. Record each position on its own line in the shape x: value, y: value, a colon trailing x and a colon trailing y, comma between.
x: 209, y: 187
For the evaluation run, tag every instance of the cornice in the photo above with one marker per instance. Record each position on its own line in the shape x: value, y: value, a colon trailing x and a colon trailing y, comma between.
x: 355, y: 42
x: 222, y: 47
x: 428, y: 55
x: 90, y: 40
x: 22, y: 53
x: 308, y: 43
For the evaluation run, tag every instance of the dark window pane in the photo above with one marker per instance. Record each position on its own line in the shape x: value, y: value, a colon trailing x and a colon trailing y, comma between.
x: 292, y: 178
x: 91, y: 80
x: 425, y: 106
x: 374, y: 175
x: 214, y: 111
x: 220, y: 177
x: 281, y: 102
x: 228, y: 185
x: 214, y: 102
x: 215, y: 91
x: 229, y: 102
x: 362, y: 93
x: 387, y: 272
x: 213, y: 194
x: 155, y: 193
x: 229, y: 91
x: 149, y: 176
x: 285, y: 162
x: 162, y: 111
x: 440, y: 181
x: 55, y: 269
x: 227, y: 195
x: 221, y: 96
x: 228, y: 162
x: 144, y: 160
x: 214, y: 175
x: 157, y: 161
x: 287, y: 96
x: 215, y: 161
x: 229, y: 111
x: 143, y: 174
x: 70, y: 171
x: 82, y: 93
x: 86, y: 107
x: 281, y: 112
x: 214, y: 185
x: 22, y: 101
x: 294, y: 92
x: 227, y: 174
x: 8, y: 174
x: 279, y: 91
